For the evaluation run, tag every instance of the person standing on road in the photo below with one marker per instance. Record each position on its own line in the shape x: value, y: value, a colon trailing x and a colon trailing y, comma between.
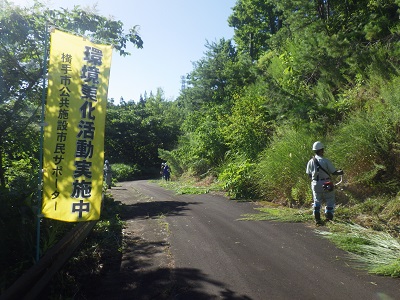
x: 108, y: 173
x: 320, y: 170
x: 166, y: 172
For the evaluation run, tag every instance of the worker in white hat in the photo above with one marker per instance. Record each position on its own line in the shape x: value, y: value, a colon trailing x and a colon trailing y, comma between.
x: 320, y: 171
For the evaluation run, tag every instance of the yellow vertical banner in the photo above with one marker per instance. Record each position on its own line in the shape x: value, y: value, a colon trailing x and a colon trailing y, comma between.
x: 73, y: 155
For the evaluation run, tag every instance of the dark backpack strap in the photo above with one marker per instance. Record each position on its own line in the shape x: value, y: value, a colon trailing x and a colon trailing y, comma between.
x: 318, y: 164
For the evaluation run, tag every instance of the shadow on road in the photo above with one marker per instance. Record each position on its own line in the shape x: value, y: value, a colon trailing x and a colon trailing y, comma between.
x: 153, y: 209
x: 137, y: 278
x: 189, y: 283
x: 145, y: 270
x: 186, y: 284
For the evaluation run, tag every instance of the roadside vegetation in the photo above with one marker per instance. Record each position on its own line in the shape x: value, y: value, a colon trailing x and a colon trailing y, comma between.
x: 244, y: 122
x: 99, y: 253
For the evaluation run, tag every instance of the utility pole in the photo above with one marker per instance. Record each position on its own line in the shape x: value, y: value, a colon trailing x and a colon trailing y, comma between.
x: 183, y: 83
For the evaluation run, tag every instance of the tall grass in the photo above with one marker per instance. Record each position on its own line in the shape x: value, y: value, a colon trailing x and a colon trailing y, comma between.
x: 280, y: 172
x: 367, y: 144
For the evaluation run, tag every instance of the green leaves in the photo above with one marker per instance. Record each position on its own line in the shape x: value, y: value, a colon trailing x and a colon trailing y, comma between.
x: 135, y: 132
x: 255, y: 21
x: 217, y: 76
x: 248, y: 128
x: 22, y: 40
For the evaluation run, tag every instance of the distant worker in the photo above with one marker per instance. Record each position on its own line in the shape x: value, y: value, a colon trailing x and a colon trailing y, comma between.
x: 166, y: 172
x: 108, y: 173
x: 320, y: 170
x: 162, y: 170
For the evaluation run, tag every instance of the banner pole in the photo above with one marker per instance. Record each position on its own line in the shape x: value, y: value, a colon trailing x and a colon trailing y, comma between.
x: 40, y: 171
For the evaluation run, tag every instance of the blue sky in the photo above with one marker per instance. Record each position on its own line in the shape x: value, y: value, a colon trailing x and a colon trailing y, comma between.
x: 174, y: 33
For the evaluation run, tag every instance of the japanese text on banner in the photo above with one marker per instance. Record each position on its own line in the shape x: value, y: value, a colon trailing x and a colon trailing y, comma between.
x: 74, y: 134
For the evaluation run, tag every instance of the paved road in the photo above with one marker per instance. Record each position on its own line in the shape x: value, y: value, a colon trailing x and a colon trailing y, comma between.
x: 194, y: 247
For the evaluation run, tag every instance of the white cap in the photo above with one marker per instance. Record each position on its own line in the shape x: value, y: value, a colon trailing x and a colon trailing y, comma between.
x: 318, y: 146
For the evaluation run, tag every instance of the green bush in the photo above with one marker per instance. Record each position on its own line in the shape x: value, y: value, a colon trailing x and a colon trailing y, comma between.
x: 200, y: 149
x: 21, y: 176
x: 173, y: 161
x: 123, y: 172
x: 236, y: 178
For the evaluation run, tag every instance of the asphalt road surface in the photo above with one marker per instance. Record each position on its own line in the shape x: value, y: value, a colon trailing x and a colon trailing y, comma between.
x: 195, y: 247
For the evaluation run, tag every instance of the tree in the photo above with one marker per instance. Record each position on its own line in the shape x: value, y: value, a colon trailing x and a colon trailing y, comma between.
x: 200, y: 147
x: 314, y: 61
x: 326, y: 47
x: 22, y: 39
x: 216, y: 81
x: 135, y: 132
x: 217, y: 77
x: 255, y: 21
x: 248, y: 129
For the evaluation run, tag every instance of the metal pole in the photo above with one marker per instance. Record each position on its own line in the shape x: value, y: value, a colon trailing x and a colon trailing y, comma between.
x: 40, y: 172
